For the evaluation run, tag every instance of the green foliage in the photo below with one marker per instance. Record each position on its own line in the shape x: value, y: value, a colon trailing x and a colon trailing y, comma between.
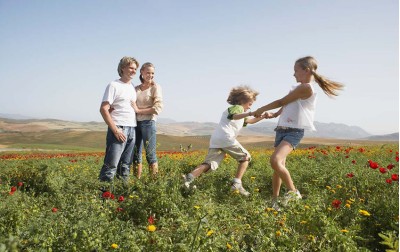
x: 55, y: 203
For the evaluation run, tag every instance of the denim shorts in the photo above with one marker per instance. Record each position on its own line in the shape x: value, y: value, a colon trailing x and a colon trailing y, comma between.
x: 290, y: 135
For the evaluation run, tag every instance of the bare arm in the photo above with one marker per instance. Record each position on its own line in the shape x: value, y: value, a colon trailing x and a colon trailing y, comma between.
x: 105, y: 113
x: 303, y: 91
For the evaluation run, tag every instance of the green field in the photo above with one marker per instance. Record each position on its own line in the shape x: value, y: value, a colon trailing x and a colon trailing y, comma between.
x: 51, y: 201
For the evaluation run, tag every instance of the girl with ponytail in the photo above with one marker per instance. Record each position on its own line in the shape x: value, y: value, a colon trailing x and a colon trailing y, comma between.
x: 296, y: 113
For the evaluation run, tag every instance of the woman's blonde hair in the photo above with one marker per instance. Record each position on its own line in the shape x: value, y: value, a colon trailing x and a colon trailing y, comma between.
x: 126, y: 61
x: 241, y: 94
x: 329, y: 87
x: 145, y: 65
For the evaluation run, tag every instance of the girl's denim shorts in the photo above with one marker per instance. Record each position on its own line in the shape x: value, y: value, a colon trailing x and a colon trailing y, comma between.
x: 290, y: 135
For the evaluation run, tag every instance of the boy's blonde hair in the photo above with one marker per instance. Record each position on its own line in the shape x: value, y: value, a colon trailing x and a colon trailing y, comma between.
x: 241, y: 94
x: 329, y: 87
x: 126, y: 61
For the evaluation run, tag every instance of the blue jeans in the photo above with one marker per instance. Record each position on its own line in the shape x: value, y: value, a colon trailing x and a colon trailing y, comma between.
x: 145, y: 135
x: 118, y: 157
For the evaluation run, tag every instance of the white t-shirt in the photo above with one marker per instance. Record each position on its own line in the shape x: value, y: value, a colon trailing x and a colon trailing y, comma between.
x: 228, y: 129
x: 299, y: 113
x: 120, y: 95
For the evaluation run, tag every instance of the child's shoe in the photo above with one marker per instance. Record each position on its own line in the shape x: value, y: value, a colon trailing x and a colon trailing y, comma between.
x: 275, y: 205
x: 187, y: 181
x: 291, y: 196
x: 237, y: 187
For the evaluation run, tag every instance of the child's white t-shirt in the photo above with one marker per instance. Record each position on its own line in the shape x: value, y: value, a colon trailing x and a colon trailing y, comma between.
x: 228, y: 129
x: 120, y: 95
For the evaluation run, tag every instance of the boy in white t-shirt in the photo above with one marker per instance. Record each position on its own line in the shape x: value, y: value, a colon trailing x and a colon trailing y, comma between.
x: 223, y: 140
x: 120, y: 118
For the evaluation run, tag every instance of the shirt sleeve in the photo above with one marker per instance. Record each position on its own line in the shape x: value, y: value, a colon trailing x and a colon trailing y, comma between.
x: 109, y: 94
x: 233, y: 110
x: 158, y: 99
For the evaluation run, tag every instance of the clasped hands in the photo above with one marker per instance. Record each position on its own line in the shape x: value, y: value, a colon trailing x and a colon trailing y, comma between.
x: 267, y: 115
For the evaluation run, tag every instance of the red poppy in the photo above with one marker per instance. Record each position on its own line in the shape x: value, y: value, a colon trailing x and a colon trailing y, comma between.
x: 119, y: 209
x: 350, y: 175
x: 336, y: 203
x: 54, y: 210
x: 151, y: 220
x: 382, y: 170
x: 347, y: 156
x: 13, y: 189
x: 390, y: 166
x: 354, y: 161
x: 395, y: 177
x: 389, y: 181
x: 373, y: 164
x: 108, y: 195
x: 361, y: 150
x: 20, y: 184
x: 121, y: 198
x: 397, y: 158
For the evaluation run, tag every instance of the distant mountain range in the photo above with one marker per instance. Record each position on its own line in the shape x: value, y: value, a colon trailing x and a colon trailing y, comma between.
x: 167, y: 126
x: 324, y: 130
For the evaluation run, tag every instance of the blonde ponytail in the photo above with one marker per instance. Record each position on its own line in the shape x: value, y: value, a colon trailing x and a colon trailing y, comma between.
x: 329, y: 87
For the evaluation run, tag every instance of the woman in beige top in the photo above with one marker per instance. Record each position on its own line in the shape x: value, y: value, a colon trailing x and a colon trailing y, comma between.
x: 148, y: 105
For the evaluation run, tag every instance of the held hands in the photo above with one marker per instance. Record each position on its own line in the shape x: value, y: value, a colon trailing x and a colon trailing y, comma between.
x: 258, y: 113
x: 266, y: 115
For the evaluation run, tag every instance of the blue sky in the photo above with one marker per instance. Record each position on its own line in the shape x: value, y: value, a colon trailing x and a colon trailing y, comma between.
x: 56, y: 57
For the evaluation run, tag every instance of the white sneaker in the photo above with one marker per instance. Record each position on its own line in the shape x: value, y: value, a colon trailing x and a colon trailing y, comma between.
x: 239, y: 188
x: 187, y: 183
x: 275, y: 205
x: 291, y: 196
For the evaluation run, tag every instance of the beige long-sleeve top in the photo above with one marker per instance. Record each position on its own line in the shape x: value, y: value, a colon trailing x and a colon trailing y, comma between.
x: 149, y: 98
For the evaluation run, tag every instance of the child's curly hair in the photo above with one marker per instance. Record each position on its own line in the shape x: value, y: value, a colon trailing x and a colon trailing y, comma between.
x: 241, y: 94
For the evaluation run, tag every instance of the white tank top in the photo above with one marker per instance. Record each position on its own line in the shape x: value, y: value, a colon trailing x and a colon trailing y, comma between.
x: 299, y: 113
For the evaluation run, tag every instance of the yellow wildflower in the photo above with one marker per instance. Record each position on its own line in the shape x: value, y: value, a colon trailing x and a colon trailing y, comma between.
x: 114, y: 246
x: 278, y: 233
x: 347, y: 205
x: 303, y: 222
x: 228, y: 246
x: 364, y: 212
x: 306, y: 207
x: 344, y: 231
x: 197, y: 207
x: 338, y: 186
x: 210, y: 232
x: 328, y: 187
x: 151, y: 228
x: 252, y: 178
x: 256, y: 190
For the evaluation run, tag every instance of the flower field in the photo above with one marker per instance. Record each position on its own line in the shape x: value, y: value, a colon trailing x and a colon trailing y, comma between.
x: 54, y: 202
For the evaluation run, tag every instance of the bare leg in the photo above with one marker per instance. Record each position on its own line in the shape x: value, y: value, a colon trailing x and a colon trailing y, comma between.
x: 200, y: 169
x: 281, y: 174
x: 138, y: 169
x: 241, y: 169
x: 154, y: 169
